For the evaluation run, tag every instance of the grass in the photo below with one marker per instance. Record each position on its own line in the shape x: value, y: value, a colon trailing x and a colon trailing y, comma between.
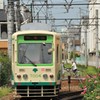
x: 4, y: 91
x: 91, y: 70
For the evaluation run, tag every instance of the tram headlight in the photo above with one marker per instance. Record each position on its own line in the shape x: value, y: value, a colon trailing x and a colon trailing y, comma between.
x: 19, y: 76
x: 25, y: 76
x: 45, y: 76
x: 51, y: 76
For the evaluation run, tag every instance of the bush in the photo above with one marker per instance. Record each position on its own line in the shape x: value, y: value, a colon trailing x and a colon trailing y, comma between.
x: 4, y: 91
x: 92, y: 87
x: 5, y: 69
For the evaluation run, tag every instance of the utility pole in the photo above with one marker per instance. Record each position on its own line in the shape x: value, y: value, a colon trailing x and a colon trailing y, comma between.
x: 74, y: 47
x: 17, y: 15
x: 97, y: 53
x: 85, y: 23
x: 33, y: 11
x: 37, y: 16
x: 86, y: 56
x: 10, y: 20
x: 46, y: 16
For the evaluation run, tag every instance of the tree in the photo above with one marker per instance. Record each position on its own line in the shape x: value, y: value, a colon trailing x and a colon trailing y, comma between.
x: 5, y: 69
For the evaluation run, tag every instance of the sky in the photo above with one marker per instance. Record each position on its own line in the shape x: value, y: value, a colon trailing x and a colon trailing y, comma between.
x: 60, y: 11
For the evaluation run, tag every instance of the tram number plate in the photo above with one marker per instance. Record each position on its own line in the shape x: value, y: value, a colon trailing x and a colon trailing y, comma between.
x: 48, y: 70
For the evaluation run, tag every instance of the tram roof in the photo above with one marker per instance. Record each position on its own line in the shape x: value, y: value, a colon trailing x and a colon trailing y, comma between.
x: 35, y: 32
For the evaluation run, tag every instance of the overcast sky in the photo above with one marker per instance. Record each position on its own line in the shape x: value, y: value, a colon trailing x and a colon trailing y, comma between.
x: 61, y: 12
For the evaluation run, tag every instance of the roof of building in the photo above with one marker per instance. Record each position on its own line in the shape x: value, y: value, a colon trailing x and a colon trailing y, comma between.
x: 3, y: 15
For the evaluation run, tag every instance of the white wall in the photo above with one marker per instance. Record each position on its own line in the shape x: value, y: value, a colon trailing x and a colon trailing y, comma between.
x: 92, y: 26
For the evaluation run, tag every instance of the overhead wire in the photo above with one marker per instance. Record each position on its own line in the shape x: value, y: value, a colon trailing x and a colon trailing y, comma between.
x: 94, y: 3
x: 38, y: 11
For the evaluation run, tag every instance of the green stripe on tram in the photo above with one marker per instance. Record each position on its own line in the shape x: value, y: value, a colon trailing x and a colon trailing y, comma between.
x: 35, y: 83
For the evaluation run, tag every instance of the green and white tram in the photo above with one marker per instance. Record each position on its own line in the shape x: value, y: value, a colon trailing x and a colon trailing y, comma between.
x: 36, y: 63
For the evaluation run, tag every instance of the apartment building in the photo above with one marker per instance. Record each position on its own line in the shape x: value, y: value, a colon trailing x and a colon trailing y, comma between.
x: 24, y: 15
x: 92, y: 25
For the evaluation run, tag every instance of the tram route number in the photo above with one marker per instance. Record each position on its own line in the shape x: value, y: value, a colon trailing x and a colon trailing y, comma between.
x: 35, y: 75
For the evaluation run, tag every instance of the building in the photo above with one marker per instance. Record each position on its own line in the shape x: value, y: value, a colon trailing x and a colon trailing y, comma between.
x: 25, y: 17
x: 92, y: 25
x: 3, y: 28
x: 1, y: 4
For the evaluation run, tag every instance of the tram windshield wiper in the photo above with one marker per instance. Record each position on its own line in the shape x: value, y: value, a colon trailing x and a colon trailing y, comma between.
x: 30, y: 61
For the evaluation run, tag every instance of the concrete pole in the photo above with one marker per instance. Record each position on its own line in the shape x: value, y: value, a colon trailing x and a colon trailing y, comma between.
x: 17, y: 15
x: 33, y: 11
x: 97, y: 53
x: 10, y: 20
x: 74, y: 47
x: 86, y: 56
x: 46, y: 17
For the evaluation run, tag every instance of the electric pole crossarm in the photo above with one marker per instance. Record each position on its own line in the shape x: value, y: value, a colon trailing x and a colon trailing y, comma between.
x: 65, y: 19
x: 63, y: 4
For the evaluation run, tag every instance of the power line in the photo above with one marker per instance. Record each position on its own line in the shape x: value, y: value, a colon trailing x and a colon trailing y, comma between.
x: 65, y: 4
x: 67, y: 18
x: 73, y: 25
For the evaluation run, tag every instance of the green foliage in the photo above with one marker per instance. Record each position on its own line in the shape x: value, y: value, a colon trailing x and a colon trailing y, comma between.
x: 67, y: 65
x: 91, y: 81
x: 4, y: 91
x: 91, y: 70
x: 77, y: 55
x: 72, y: 54
x: 5, y: 69
x: 92, y: 86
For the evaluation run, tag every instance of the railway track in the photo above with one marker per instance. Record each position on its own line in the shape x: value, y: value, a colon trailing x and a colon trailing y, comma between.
x: 76, y: 95
x: 72, y: 91
x: 65, y: 94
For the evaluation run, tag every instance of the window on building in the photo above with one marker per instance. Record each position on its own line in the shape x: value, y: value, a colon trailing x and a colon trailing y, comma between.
x: 4, y: 34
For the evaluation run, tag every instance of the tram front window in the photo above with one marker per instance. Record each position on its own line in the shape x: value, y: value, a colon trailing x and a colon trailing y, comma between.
x: 36, y: 53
